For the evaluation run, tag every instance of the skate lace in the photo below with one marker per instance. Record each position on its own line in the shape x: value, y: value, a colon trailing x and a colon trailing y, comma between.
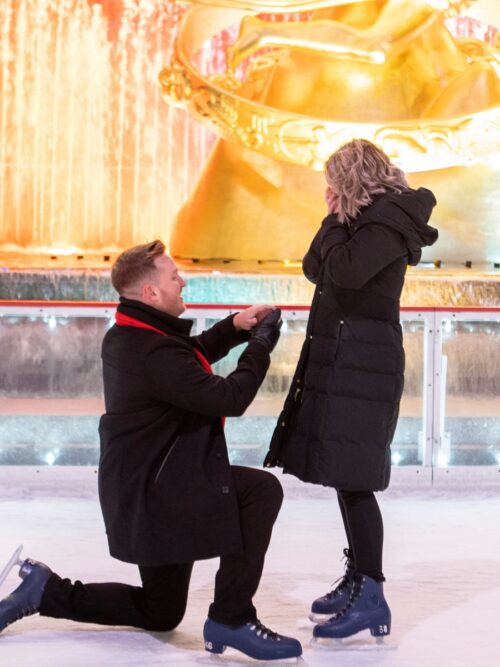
x: 342, y: 586
x: 261, y: 631
x: 344, y: 580
x: 355, y: 593
x: 26, y: 611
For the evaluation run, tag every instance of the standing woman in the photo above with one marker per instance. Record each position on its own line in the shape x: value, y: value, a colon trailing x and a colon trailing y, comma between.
x: 340, y: 415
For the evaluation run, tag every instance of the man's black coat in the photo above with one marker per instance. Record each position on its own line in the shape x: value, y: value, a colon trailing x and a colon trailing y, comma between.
x: 340, y: 415
x: 165, y: 482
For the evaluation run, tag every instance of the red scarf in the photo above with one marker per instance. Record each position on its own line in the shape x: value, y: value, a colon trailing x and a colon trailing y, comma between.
x: 123, y: 320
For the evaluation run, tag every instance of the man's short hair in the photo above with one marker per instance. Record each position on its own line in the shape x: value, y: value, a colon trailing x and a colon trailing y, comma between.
x: 135, y: 265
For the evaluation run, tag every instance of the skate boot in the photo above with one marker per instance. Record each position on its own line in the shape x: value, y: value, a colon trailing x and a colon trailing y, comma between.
x: 325, y: 607
x: 26, y: 598
x: 252, y: 639
x: 366, y: 609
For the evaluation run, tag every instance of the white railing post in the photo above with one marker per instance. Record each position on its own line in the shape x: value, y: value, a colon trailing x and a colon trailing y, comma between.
x: 425, y: 446
x: 439, y: 456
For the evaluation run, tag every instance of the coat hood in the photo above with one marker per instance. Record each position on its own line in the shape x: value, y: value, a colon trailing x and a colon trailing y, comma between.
x: 406, y: 212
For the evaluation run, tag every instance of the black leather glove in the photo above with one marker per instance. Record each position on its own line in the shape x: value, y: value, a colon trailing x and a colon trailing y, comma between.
x: 267, y: 331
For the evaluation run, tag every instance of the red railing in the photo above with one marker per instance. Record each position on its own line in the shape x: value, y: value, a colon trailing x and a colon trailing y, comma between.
x: 226, y: 306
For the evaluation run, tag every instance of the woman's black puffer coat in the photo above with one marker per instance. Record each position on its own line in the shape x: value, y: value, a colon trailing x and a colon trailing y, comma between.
x: 340, y: 415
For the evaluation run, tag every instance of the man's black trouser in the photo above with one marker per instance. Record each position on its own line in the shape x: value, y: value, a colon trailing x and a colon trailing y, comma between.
x: 161, y: 601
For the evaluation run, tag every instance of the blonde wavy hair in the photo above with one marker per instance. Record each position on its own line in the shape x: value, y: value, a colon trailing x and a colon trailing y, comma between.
x: 356, y: 172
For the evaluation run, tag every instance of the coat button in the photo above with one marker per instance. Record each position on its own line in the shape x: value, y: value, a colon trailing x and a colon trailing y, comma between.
x: 218, y: 456
x: 283, y: 423
x: 310, y: 337
x: 225, y: 490
x: 341, y: 321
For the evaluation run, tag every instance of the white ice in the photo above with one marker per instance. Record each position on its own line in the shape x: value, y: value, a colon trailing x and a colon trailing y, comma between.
x: 442, y: 563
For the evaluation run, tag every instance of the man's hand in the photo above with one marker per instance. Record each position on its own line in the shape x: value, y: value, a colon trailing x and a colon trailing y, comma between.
x: 248, y: 318
x: 267, y: 332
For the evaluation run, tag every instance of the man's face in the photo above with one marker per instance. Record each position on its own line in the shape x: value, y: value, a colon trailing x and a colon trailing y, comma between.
x: 165, y: 287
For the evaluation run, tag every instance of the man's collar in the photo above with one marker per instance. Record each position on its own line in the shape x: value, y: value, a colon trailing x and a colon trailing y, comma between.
x: 156, y: 318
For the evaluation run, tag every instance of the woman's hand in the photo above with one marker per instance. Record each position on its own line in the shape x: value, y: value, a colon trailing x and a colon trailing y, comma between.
x: 331, y: 200
x: 248, y: 318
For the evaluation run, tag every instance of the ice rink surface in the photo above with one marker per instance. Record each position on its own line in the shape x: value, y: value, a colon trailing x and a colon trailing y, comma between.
x: 442, y: 563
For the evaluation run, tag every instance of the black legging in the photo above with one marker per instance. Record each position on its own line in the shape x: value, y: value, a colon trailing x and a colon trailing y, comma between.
x: 364, y: 529
x: 160, y: 603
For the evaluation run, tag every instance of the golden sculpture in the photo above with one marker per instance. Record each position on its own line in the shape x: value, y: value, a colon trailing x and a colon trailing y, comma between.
x: 386, y: 70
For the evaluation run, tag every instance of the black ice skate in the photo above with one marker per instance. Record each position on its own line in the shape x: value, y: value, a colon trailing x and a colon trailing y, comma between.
x: 252, y: 639
x: 366, y: 609
x: 26, y: 598
x: 325, y: 607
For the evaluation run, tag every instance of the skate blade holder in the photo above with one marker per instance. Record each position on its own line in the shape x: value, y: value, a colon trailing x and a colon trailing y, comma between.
x: 361, y: 641
x: 12, y: 562
x: 234, y: 658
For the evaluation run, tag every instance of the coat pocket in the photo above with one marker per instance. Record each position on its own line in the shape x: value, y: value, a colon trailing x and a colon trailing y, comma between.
x: 165, y: 459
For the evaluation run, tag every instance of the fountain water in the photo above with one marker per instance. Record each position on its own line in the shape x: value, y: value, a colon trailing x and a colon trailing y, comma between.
x: 91, y: 160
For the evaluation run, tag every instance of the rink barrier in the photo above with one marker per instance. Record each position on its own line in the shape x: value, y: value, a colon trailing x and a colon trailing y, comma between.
x: 434, y: 445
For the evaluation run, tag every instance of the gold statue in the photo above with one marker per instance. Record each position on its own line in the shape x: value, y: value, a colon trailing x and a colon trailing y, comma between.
x: 404, y: 49
x: 386, y: 70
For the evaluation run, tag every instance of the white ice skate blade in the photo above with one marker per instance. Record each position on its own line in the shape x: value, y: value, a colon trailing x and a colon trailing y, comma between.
x: 14, y: 560
x: 306, y: 623
x: 362, y: 641
x: 233, y: 658
x: 319, y: 619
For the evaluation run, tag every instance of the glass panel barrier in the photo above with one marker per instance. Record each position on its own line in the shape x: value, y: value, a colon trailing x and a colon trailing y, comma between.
x: 50, y: 389
x: 469, y: 425
x: 51, y: 386
x: 409, y: 439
